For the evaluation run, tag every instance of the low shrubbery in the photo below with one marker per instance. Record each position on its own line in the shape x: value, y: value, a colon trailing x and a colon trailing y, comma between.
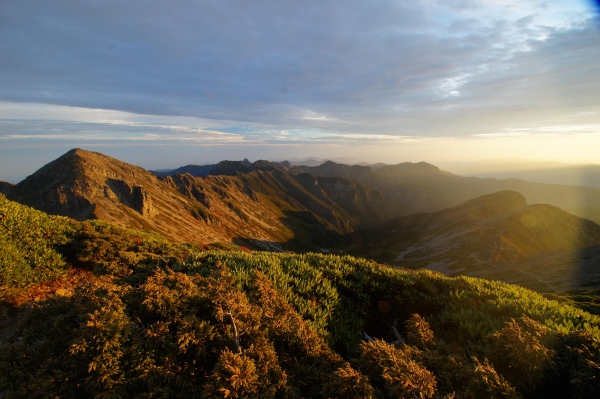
x: 170, y: 321
x: 237, y: 324
x: 28, y: 239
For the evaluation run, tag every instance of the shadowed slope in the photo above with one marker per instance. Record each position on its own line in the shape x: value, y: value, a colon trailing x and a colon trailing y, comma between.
x: 5, y: 187
x: 493, y: 230
x: 422, y: 187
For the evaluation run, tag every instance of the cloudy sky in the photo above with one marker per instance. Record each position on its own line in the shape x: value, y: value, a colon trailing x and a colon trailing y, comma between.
x: 163, y: 84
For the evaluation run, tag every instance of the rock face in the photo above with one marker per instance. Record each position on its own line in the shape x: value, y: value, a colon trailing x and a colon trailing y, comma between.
x: 261, y: 202
x: 80, y: 184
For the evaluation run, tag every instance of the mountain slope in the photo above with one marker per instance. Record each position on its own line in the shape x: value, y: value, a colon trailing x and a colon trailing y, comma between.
x: 267, y: 208
x: 89, y: 185
x: 5, y: 187
x: 498, y: 230
x: 194, y: 170
x: 422, y: 187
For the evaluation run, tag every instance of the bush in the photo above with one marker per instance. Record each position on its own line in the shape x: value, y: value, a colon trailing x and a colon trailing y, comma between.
x: 28, y: 241
x: 168, y: 321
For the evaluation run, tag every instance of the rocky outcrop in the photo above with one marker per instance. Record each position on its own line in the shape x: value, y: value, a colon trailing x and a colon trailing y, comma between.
x: 142, y: 202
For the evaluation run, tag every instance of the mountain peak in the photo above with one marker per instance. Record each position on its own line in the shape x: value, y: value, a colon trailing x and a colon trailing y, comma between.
x: 78, y: 153
x: 494, y: 204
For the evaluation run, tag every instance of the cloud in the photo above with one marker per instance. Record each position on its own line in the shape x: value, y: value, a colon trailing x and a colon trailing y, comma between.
x: 403, y: 78
x: 352, y: 67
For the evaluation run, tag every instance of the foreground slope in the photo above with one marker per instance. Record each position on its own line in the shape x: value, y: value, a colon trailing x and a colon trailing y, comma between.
x: 165, y: 320
x: 27, y: 239
x: 268, y: 208
x: 497, y: 236
x: 268, y: 325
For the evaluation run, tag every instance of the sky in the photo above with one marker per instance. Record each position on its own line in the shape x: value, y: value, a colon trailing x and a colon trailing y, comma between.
x: 164, y: 84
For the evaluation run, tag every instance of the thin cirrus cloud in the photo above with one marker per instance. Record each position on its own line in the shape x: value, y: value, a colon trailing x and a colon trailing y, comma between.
x: 277, y: 72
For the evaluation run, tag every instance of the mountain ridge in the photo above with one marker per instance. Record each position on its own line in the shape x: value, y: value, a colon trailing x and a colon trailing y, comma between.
x: 483, y: 234
x: 219, y: 207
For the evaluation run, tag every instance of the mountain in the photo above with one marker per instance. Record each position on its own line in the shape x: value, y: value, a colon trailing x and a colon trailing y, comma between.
x: 316, y: 161
x: 306, y: 161
x: 5, y: 187
x: 539, y: 172
x: 264, y: 206
x: 194, y: 170
x: 497, y: 236
x: 92, y: 309
x: 422, y: 187
x: 590, y: 212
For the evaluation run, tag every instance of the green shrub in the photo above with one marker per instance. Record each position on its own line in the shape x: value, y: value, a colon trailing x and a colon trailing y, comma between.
x: 167, y: 321
x: 28, y: 241
x: 397, y: 370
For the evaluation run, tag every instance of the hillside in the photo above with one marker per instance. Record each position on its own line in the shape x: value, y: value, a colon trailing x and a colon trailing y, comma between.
x: 159, y: 319
x: 540, y: 172
x: 422, y: 187
x: 27, y: 240
x: 194, y: 170
x: 5, y: 187
x: 268, y: 209
x: 493, y: 236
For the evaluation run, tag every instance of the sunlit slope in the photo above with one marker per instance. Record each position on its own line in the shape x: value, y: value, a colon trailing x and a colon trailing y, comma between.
x: 28, y: 240
x: 89, y: 185
x: 496, y: 229
x: 264, y: 209
x: 37, y: 247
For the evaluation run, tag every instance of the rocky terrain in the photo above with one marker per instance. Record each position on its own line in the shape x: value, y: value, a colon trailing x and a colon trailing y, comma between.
x: 265, y: 206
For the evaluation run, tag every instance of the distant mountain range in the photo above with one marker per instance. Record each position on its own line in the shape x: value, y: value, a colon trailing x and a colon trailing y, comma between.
x: 497, y: 236
x: 534, y: 171
x: 409, y: 214
x: 204, y: 170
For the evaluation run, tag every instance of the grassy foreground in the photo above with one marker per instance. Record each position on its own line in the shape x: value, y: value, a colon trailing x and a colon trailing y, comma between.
x: 169, y: 321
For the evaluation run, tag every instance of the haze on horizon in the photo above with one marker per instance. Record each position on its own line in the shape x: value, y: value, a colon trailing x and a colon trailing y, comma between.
x: 162, y: 85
